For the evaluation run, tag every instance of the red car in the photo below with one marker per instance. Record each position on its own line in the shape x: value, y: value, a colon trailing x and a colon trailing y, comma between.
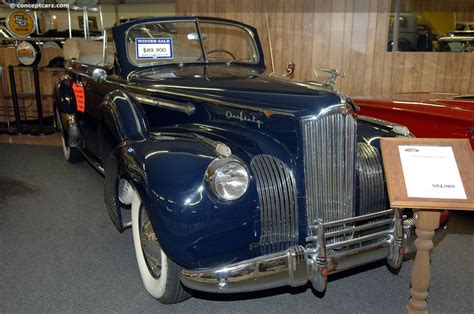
x: 437, y: 117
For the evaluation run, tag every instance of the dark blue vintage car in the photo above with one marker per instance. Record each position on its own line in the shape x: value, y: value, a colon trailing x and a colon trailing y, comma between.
x: 232, y: 179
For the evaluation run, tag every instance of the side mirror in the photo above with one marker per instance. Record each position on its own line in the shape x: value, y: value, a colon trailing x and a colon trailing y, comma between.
x: 99, y: 75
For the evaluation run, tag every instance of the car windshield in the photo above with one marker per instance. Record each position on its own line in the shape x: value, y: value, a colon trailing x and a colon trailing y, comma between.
x: 188, y: 42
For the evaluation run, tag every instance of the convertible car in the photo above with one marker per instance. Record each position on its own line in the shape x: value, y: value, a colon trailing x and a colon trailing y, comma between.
x: 438, y: 117
x: 235, y: 180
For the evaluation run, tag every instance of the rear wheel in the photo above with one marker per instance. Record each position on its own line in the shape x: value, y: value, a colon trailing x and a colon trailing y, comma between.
x: 71, y: 154
x: 159, y: 274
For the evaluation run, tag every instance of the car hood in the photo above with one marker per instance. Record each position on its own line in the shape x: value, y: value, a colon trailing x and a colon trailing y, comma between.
x: 241, y: 85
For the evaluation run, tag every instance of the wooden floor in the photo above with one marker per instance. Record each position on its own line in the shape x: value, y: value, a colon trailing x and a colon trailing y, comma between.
x: 53, y: 140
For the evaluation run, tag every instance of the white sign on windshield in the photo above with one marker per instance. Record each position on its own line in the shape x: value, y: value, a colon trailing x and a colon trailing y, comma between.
x: 431, y: 172
x: 154, y: 48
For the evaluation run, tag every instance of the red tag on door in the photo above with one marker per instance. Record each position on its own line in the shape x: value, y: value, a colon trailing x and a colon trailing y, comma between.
x: 79, y: 94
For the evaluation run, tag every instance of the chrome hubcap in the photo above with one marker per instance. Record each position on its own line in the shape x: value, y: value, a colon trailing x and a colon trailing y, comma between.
x: 150, y: 247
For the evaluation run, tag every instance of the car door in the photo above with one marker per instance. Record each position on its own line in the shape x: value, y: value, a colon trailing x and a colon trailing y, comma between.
x: 89, y: 93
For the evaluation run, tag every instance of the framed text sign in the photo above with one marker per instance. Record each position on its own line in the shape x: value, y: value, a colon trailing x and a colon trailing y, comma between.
x: 429, y: 173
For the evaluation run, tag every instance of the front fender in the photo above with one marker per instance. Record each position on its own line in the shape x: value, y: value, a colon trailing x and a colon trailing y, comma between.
x: 63, y: 96
x: 194, y: 228
x: 123, y: 118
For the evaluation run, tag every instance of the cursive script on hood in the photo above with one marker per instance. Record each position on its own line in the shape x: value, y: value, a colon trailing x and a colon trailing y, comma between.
x: 243, y: 117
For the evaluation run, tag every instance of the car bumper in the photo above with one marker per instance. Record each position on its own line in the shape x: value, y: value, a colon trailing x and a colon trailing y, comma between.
x: 298, y: 265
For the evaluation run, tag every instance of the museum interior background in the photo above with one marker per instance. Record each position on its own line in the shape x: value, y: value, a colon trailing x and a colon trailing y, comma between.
x: 348, y: 35
x: 351, y: 36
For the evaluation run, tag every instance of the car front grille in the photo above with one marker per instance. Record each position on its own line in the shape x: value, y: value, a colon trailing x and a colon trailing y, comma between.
x: 329, y: 142
x: 371, y: 194
x: 344, y: 189
x: 277, y: 194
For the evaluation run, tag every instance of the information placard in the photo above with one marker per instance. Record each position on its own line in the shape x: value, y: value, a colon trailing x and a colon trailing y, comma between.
x: 429, y: 176
x: 429, y: 173
x: 418, y: 163
x: 154, y: 48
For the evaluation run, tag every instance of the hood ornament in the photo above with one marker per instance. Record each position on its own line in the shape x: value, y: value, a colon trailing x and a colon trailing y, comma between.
x: 331, y: 75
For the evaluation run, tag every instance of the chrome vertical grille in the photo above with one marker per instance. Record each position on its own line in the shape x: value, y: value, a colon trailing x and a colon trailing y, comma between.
x: 329, y: 158
x: 370, y: 191
x: 277, y: 195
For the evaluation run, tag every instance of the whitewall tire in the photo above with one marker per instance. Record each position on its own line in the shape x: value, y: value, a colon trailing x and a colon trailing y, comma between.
x: 159, y: 274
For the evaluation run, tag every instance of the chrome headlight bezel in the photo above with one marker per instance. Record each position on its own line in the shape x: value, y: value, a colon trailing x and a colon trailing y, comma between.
x: 220, y: 167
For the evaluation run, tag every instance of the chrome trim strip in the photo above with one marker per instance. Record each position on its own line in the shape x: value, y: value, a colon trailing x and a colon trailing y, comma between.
x: 359, y: 218
x: 387, y: 125
x: 160, y: 89
x: 94, y: 163
x: 377, y: 121
x: 187, y: 108
x: 359, y: 228
x: 369, y: 237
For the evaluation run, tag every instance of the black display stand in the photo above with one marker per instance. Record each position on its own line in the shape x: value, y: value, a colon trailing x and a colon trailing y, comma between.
x: 40, y: 130
x: 18, y: 128
x: 3, y: 126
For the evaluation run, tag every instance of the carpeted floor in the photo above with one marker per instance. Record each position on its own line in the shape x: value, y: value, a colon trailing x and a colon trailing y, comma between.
x: 59, y: 252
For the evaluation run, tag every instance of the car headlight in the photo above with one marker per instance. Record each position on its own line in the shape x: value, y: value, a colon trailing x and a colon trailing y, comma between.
x: 227, y: 178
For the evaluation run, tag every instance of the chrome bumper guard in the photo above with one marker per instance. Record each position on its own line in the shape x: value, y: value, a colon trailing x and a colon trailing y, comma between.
x: 367, y: 238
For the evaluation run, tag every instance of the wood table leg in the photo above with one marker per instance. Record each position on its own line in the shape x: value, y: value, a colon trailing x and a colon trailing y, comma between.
x: 425, y: 222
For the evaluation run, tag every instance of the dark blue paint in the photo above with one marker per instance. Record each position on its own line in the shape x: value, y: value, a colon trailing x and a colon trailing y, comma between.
x: 63, y: 96
x: 119, y: 106
x: 261, y: 114
x: 238, y: 84
x: 191, y: 223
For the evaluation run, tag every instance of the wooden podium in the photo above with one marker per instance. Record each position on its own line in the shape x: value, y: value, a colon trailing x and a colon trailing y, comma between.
x: 409, y: 186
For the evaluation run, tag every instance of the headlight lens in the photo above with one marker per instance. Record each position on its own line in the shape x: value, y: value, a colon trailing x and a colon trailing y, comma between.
x: 228, y: 179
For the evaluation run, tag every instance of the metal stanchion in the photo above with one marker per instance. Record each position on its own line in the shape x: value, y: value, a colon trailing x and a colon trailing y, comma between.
x: 18, y: 128
x: 5, y: 104
x: 41, y: 129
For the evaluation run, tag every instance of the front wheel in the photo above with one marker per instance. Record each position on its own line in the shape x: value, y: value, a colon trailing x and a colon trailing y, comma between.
x: 160, y: 275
